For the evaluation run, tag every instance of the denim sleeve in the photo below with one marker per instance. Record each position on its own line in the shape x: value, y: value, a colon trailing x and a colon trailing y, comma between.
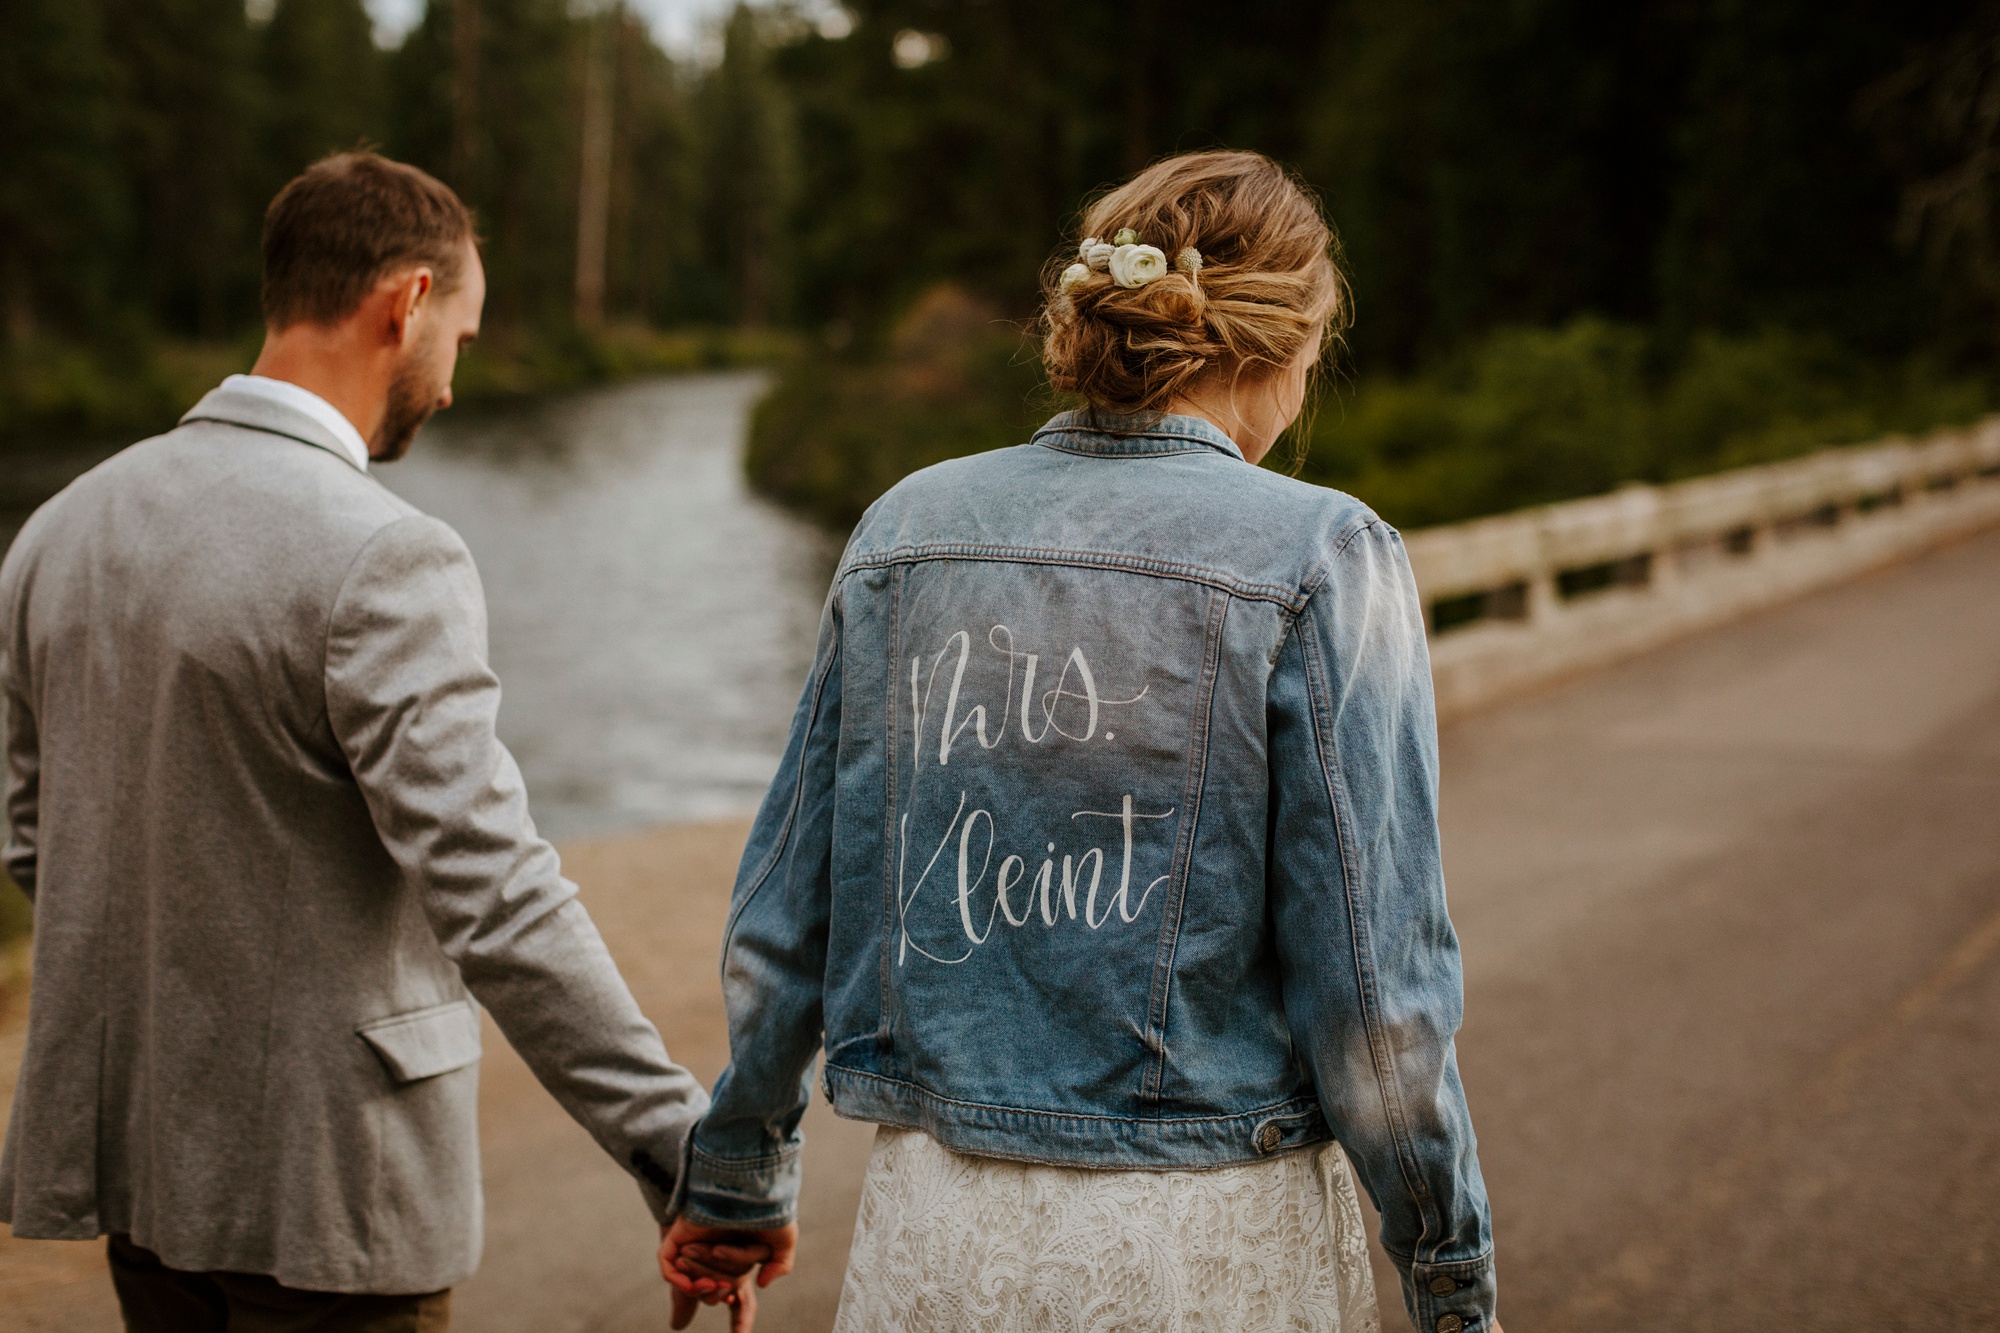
x: 744, y: 1166
x: 1372, y: 983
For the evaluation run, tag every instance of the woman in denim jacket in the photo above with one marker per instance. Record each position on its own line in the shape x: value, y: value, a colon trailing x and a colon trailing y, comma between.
x: 1103, y: 861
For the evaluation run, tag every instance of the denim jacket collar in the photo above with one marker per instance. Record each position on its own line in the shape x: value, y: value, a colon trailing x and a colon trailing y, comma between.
x: 1084, y: 432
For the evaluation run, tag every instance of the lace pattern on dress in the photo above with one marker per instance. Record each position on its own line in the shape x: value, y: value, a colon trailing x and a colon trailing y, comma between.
x: 946, y: 1243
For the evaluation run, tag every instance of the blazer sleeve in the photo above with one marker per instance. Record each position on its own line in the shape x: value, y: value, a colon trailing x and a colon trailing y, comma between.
x: 1372, y: 983
x: 744, y: 1171
x: 412, y: 704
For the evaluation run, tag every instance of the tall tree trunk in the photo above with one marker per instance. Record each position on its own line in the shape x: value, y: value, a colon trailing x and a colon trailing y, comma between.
x: 1139, y: 110
x: 593, y: 205
x: 465, y: 42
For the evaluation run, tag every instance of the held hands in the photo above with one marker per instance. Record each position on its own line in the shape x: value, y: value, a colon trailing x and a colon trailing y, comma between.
x: 712, y: 1265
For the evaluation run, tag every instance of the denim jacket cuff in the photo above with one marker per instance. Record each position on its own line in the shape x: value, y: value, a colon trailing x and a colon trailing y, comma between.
x: 1456, y: 1297
x: 745, y: 1193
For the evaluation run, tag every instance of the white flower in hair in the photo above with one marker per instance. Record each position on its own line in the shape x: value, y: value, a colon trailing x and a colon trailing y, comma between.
x: 1095, y: 253
x: 1075, y: 274
x: 1188, y: 260
x: 1137, y: 265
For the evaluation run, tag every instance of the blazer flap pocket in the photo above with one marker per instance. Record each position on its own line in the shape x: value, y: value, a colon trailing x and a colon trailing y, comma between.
x: 426, y: 1042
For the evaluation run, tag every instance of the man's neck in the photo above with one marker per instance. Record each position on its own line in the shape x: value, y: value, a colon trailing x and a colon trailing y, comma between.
x: 332, y: 363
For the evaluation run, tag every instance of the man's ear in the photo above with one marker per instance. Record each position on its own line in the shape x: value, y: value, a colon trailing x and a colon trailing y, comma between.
x: 412, y: 292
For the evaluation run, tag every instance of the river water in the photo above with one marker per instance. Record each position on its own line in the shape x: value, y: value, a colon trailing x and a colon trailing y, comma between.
x: 652, y: 620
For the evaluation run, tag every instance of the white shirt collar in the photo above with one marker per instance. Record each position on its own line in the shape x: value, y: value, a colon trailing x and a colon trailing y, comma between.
x: 310, y: 403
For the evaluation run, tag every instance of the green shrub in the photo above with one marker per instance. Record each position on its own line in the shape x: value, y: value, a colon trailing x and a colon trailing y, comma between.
x: 1530, y: 416
x: 1777, y: 395
x: 834, y: 434
x: 56, y: 390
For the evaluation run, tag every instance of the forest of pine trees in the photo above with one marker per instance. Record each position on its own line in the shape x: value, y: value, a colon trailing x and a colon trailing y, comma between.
x: 141, y: 139
x: 1814, y: 178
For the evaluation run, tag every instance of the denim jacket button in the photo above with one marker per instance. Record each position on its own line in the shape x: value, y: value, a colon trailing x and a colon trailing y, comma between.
x: 1450, y: 1323
x: 1267, y: 1138
x: 1443, y: 1286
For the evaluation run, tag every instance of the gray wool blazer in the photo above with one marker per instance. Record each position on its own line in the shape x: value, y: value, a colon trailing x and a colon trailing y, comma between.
x: 276, y: 851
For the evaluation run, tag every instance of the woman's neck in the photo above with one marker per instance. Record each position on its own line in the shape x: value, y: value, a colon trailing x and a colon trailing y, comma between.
x: 1224, y: 412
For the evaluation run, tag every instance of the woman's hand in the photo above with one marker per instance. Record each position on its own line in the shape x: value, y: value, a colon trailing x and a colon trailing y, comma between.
x: 741, y: 1300
x: 711, y: 1265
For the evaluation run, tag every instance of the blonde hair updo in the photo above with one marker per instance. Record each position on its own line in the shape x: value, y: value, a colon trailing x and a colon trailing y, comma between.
x: 1267, y: 285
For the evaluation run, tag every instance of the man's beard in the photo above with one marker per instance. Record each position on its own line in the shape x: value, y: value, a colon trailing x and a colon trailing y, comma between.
x: 412, y: 400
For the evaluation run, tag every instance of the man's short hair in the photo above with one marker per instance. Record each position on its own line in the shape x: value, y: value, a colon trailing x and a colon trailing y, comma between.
x: 347, y: 222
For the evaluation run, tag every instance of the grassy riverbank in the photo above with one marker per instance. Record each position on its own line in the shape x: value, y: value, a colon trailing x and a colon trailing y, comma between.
x: 15, y: 915
x: 124, y: 388
x: 1525, y: 416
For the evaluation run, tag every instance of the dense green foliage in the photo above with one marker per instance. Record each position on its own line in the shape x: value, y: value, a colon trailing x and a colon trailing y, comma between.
x: 104, y: 388
x: 1527, y: 415
x: 1686, y: 164
x: 1588, y: 244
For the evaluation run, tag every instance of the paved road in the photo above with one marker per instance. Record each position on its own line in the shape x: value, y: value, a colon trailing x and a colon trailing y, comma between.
x: 1731, y: 918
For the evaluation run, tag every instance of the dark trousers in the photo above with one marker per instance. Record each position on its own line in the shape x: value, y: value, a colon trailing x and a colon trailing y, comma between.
x: 159, y: 1299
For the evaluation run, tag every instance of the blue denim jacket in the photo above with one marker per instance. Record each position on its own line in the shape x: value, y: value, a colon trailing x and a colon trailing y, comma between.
x: 1107, y: 836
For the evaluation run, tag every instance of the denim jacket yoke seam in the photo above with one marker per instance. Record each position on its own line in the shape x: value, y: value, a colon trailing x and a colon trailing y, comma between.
x: 1288, y: 597
x: 1363, y: 942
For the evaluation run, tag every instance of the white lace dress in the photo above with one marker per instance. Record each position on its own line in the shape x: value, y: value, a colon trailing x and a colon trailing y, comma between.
x: 946, y: 1243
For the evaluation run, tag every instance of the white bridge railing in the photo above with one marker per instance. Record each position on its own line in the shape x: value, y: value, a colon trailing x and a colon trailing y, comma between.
x: 1524, y: 598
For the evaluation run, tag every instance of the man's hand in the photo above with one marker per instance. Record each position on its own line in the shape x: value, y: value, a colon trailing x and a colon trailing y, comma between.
x: 711, y: 1265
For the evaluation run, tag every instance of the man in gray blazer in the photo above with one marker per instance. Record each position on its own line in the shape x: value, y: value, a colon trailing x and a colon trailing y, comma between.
x: 275, y: 848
